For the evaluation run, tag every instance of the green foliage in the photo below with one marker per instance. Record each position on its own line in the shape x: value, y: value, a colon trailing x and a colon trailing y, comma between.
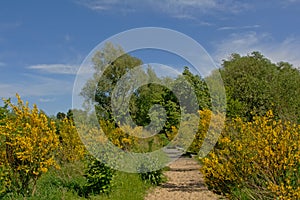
x: 149, y: 95
x: 112, y: 64
x: 255, y: 85
x: 99, y: 178
x: 199, y: 87
x: 154, y: 177
x: 147, y: 172
x: 68, y: 183
x: 127, y: 186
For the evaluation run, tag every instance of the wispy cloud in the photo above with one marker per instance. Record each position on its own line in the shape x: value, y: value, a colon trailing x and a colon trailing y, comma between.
x: 37, y: 86
x: 67, y: 38
x: 9, y: 26
x: 225, y: 28
x: 108, y: 5
x: 286, y: 50
x: 2, y: 64
x: 55, y: 68
x: 290, y: 1
x: 205, y: 23
x: 46, y: 100
x: 186, y: 9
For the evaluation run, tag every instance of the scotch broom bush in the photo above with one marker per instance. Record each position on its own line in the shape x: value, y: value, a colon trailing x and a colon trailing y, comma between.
x: 71, y: 146
x: 28, y: 146
x: 256, y: 160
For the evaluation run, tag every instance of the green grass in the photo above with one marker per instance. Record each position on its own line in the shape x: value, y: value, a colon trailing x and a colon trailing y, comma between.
x: 65, y: 183
x: 127, y: 187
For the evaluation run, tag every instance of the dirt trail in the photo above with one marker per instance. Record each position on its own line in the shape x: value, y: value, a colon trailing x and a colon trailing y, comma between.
x: 185, y: 182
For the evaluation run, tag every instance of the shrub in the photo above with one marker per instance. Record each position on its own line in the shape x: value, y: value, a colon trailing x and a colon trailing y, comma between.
x: 256, y: 160
x: 99, y: 178
x: 71, y: 147
x: 150, y: 170
x: 29, y: 144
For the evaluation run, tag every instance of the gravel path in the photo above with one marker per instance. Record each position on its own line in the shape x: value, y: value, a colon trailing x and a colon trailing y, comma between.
x: 185, y: 182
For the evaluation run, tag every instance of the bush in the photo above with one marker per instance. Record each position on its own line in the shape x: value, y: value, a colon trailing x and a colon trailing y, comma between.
x: 256, y: 160
x: 99, y: 178
x: 148, y: 170
x: 27, y: 148
x: 71, y: 146
x: 153, y: 177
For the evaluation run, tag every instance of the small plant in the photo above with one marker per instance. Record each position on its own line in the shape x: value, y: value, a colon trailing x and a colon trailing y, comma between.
x: 148, y: 173
x: 99, y: 178
x: 154, y: 177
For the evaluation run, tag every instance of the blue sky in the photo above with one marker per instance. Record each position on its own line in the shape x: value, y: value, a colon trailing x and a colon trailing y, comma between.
x: 43, y: 43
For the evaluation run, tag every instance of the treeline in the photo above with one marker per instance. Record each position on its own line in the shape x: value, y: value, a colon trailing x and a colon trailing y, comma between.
x: 254, y: 85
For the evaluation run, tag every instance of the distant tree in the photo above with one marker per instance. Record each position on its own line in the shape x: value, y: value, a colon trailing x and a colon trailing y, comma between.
x: 111, y: 63
x: 70, y: 114
x: 200, y: 88
x: 3, y: 111
x: 60, y: 115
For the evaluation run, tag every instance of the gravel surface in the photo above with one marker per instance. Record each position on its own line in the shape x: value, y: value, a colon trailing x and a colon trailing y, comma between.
x: 185, y: 182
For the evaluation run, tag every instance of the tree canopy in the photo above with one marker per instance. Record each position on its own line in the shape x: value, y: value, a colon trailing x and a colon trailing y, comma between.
x: 255, y: 85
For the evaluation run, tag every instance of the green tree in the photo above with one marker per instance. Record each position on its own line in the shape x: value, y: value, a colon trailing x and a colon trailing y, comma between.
x: 255, y: 85
x: 200, y: 88
x: 110, y: 64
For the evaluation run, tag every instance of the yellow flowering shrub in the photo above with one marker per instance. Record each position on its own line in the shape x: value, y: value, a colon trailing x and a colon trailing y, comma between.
x: 208, y: 120
x: 71, y: 146
x: 121, y: 137
x: 256, y: 160
x: 205, y: 117
x: 29, y: 144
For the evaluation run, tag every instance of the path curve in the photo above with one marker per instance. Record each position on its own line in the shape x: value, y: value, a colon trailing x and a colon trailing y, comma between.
x: 185, y: 182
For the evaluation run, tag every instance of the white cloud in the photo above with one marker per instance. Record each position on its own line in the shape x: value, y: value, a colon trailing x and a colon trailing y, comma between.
x: 56, y: 68
x: 224, y: 28
x: 286, y: 50
x: 176, y: 8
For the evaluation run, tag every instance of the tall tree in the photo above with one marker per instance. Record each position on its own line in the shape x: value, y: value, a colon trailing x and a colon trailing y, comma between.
x: 110, y: 64
x: 255, y: 85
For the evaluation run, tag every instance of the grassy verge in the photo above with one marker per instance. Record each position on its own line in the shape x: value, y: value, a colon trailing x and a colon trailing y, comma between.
x: 127, y: 187
x: 66, y: 183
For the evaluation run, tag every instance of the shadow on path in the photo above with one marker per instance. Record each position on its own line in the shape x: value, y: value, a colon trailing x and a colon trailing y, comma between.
x: 185, y: 182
